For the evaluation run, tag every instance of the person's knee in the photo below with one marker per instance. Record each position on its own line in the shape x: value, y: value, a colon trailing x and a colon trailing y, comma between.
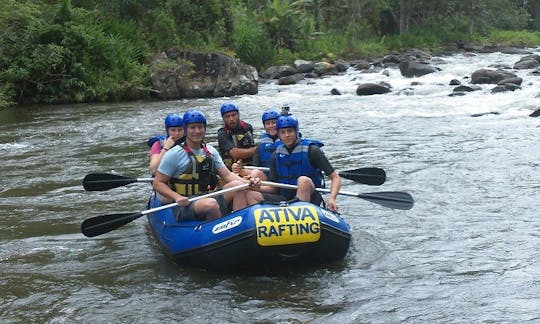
x: 258, y: 174
x: 305, y: 182
x: 254, y: 197
x: 207, y: 205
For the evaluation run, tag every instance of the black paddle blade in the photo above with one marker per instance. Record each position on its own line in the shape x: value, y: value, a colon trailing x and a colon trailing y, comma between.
x: 105, y: 181
x: 105, y: 223
x: 390, y: 199
x: 369, y: 176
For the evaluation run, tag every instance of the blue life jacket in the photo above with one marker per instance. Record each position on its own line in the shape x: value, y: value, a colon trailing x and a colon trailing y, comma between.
x: 156, y: 138
x: 267, y: 146
x: 290, y: 166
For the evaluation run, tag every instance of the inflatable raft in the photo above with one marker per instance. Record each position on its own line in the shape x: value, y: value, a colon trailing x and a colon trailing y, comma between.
x: 262, y: 234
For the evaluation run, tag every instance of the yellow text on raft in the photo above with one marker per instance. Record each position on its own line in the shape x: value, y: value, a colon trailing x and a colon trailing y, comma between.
x: 287, y: 225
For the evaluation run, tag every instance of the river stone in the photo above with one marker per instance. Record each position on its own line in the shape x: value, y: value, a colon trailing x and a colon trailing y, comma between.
x: 367, y: 89
x: 411, y: 69
x: 488, y: 76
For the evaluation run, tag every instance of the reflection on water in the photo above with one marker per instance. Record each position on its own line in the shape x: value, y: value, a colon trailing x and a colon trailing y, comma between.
x: 467, y: 251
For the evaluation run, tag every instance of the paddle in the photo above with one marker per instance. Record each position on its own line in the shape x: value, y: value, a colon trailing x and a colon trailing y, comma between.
x: 106, y: 181
x: 105, y: 223
x: 369, y: 176
x: 390, y: 199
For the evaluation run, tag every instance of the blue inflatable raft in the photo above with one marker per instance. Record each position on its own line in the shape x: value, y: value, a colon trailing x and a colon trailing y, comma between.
x: 262, y: 234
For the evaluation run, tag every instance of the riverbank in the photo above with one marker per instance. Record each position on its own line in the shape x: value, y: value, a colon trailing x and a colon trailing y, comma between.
x: 166, y: 86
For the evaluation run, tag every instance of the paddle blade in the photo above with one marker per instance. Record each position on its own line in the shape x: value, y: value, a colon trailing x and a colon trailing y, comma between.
x: 105, y: 181
x: 390, y: 199
x: 105, y: 223
x: 369, y: 176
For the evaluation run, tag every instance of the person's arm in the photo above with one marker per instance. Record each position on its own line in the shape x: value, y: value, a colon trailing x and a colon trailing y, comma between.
x: 157, y: 153
x: 272, y: 176
x: 161, y: 185
x: 227, y: 175
x: 334, y: 190
x: 318, y: 160
x: 241, y: 153
x: 226, y: 145
x: 166, y: 169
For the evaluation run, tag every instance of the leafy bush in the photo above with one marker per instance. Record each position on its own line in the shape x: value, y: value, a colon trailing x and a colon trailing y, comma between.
x: 250, y: 42
x: 51, y: 60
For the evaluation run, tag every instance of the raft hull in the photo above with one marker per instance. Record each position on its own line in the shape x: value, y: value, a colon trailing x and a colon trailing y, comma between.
x: 256, y: 236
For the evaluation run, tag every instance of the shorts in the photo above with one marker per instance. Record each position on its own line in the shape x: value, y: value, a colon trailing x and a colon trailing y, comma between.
x: 273, y: 198
x: 186, y: 213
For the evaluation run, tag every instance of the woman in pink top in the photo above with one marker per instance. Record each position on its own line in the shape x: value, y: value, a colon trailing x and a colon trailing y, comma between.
x: 174, y: 128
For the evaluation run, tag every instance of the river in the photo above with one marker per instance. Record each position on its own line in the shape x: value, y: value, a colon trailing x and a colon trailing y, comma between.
x: 469, y: 250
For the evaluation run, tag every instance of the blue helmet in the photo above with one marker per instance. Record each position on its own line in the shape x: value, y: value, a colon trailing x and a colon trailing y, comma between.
x: 173, y: 120
x: 270, y: 114
x: 227, y: 107
x: 193, y: 117
x: 286, y: 122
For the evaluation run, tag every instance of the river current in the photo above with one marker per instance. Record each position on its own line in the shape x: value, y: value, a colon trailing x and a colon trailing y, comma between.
x: 467, y: 252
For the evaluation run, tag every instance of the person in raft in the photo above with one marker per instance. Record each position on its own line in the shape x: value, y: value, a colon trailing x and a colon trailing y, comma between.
x: 301, y: 162
x: 191, y: 168
x: 235, y: 138
x: 269, y: 141
x: 174, y: 130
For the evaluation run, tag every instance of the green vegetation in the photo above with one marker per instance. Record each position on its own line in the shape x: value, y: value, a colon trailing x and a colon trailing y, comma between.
x: 60, y: 51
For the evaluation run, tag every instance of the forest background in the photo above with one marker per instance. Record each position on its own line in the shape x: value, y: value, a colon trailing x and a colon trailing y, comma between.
x: 62, y: 51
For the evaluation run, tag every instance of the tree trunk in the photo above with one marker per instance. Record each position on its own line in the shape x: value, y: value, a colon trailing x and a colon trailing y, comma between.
x: 403, y: 17
x: 471, y: 20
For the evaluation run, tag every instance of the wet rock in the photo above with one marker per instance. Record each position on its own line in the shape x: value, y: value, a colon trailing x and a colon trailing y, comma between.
x: 535, y: 113
x: 367, y: 89
x: 463, y: 88
x: 341, y: 66
x: 276, y: 72
x: 486, y: 113
x: 335, y: 92
x: 291, y: 79
x: 525, y: 64
x: 487, y: 76
x: 455, y: 82
x: 505, y: 87
x: 360, y: 64
x: 303, y: 66
x: 323, y: 68
x: 391, y: 59
x: 411, y: 69
x: 515, y: 81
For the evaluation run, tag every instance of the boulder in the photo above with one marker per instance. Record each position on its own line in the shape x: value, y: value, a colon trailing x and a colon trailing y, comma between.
x: 177, y: 74
x: 290, y: 79
x: 276, y: 72
x: 463, y: 88
x: 322, y: 68
x: 514, y: 80
x: 411, y: 69
x: 303, y: 66
x: 487, y: 76
x: 367, y: 89
x: 335, y: 92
